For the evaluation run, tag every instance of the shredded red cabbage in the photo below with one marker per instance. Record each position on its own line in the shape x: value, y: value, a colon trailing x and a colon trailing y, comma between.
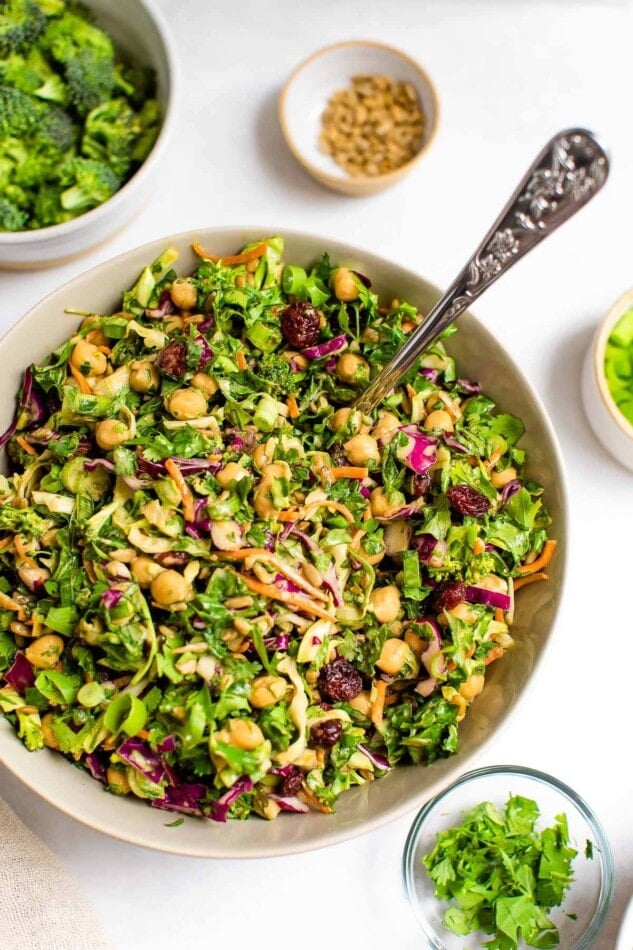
x: 420, y: 453
x: 187, y: 466
x: 290, y: 803
x: 111, y: 597
x: 335, y: 345
x: 185, y: 798
x: 375, y: 758
x: 96, y: 767
x: 452, y: 443
x: 165, y: 307
x: 489, y: 598
x: 20, y: 675
x: 469, y: 386
x: 220, y: 807
x: 207, y: 353
x: 139, y: 755
x: 508, y: 490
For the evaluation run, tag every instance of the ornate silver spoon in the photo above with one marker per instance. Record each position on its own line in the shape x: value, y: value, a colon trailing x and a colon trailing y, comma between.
x: 569, y: 171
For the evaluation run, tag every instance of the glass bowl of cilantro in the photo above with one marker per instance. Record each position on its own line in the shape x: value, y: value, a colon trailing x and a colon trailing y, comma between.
x: 86, y: 108
x: 506, y: 858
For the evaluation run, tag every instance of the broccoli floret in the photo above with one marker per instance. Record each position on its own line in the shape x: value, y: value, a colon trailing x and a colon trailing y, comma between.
x: 12, y: 218
x: 150, y: 117
x: 32, y: 73
x: 110, y: 135
x: 47, y: 208
x: 136, y: 81
x: 19, y: 112
x: 86, y: 55
x: 21, y: 22
x: 91, y: 183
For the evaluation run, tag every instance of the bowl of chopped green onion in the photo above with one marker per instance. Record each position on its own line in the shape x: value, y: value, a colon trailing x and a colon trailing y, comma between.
x: 508, y: 857
x: 86, y: 108
x: 607, y: 382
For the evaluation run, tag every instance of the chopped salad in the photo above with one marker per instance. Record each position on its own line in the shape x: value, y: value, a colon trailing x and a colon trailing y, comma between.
x: 222, y: 589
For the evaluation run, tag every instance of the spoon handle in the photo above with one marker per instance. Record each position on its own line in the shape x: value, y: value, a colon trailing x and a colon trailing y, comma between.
x: 569, y: 171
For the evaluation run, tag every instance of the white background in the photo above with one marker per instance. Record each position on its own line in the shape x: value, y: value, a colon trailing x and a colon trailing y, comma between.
x: 509, y: 74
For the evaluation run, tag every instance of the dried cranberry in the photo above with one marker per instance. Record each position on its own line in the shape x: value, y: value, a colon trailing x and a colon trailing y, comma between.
x: 340, y: 681
x: 172, y: 558
x: 468, y: 501
x: 447, y: 595
x: 300, y: 324
x: 420, y: 484
x: 326, y: 734
x: 292, y: 782
x: 171, y: 361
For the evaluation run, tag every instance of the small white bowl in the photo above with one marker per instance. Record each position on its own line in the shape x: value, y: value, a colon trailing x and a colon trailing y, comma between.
x: 138, y: 30
x: 310, y: 87
x: 613, y: 430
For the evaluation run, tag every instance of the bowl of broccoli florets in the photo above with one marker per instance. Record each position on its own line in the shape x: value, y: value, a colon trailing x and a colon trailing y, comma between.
x: 85, y: 94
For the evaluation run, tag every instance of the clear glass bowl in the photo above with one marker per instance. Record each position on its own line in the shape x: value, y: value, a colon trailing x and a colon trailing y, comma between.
x: 591, y: 892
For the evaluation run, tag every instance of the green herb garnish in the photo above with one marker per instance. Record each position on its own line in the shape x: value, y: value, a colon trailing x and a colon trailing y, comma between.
x: 501, y: 875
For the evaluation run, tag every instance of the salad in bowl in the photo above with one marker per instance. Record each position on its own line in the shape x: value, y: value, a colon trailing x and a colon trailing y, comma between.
x: 225, y: 591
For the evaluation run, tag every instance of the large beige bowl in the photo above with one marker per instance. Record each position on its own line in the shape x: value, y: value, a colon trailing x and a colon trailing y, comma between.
x: 480, y: 357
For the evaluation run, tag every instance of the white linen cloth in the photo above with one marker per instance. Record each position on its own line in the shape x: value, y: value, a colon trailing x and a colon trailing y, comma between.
x: 41, y: 906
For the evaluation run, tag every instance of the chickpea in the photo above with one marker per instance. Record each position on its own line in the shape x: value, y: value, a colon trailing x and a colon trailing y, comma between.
x: 206, y: 384
x: 183, y: 294
x: 385, y: 602
x: 362, y: 702
x: 245, y: 734
x: 110, y: 433
x: 144, y: 377
x: 393, y: 656
x: 346, y: 418
x: 463, y: 612
x: 499, y: 479
x: 417, y: 644
x: 351, y: 368
x: 439, y: 419
x: 345, y: 284
x: 170, y: 587
x: 232, y: 472
x: 145, y: 570
x: 48, y: 735
x: 187, y: 403
x: 361, y: 449
x: 386, y: 427
x: 266, y: 691
x: 92, y: 321
x: 44, y: 653
x: 88, y: 359
x: 117, y: 780
x: 379, y: 502
x: 472, y: 686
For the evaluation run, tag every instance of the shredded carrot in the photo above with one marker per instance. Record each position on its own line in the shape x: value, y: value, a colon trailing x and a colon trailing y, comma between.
x: 293, y: 600
x: 143, y: 734
x: 8, y: 603
x: 335, y: 506
x: 499, y: 615
x: 494, y: 458
x: 22, y: 553
x: 105, y: 349
x: 390, y: 700
x: 81, y: 380
x: 546, y: 556
x: 307, y: 795
x: 251, y: 255
x: 408, y: 325
x: 240, y: 359
x: 495, y: 654
x: 530, y: 579
x: 214, y: 458
x: 5, y: 543
x: 349, y: 471
x: 378, y: 705
x: 25, y: 445
x: 188, y: 506
x: 479, y: 546
x: 290, y: 514
x: 261, y: 554
x: 293, y: 407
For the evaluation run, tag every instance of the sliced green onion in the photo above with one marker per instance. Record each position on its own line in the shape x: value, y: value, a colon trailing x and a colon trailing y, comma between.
x: 293, y: 279
x: 411, y: 569
x: 126, y: 713
x: 91, y: 694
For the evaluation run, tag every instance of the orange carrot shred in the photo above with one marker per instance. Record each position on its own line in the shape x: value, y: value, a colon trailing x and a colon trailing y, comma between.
x: 293, y: 600
x: 499, y: 615
x: 244, y: 258
x: 188, y: 506
x: 378, y: 705
x: 530, y: 579
x: 349, y: 471
x: 293, y: 407
x: 25, y: 445
x: 22, y: 553
x: 81, y: 379
x: 546, y: 556
x: 261, y: 554
x: 240, y: 359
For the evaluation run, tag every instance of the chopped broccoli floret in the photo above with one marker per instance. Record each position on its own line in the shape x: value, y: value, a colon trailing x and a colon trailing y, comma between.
x: 91, y: 183
x: 12, y: 218
x: 47, y: 209
x: 32, y: 73
x: 19, y: 112
x: 21, y: 23
x: 111, y: 133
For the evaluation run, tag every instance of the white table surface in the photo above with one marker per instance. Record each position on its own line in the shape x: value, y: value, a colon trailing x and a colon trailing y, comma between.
x: 509, y: 74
